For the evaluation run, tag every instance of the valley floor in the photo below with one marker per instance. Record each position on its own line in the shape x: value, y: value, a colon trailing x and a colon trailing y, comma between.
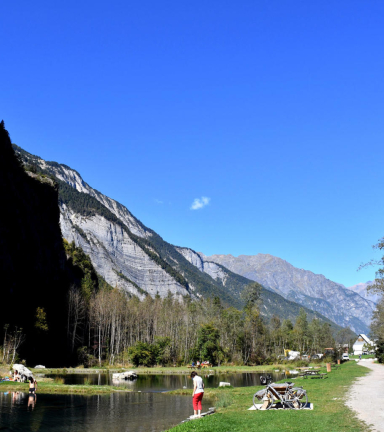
x: 327, y: 395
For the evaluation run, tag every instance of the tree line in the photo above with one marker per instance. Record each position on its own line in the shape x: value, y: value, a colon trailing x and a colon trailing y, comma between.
x: 109, y: 327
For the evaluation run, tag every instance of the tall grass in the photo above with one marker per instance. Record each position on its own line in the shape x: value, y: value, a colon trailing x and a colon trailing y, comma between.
x: 59, y: 380
x: 224, y: 400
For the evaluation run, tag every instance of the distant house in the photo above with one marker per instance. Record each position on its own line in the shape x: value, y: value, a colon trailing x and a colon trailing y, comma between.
x: 363, y: 344
x: 343, y: 347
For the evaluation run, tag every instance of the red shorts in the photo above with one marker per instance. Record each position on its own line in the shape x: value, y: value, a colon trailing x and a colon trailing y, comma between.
x: 196, y: 400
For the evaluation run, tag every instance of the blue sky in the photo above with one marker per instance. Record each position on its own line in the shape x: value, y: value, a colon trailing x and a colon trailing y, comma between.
x: 270, y: 114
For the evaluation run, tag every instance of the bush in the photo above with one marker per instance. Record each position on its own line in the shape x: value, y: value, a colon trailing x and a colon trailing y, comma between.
x: 380, y: 351
x: 146, y: 354
x: 142, y: 354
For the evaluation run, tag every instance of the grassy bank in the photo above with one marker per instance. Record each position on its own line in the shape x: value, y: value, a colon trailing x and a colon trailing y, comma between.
x: 329, y: 414
x: 173, y: 370
x: 58, y: 388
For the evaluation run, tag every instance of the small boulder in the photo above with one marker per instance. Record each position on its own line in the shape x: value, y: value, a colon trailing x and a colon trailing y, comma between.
x: 130, y: 375
x: 224, y: 384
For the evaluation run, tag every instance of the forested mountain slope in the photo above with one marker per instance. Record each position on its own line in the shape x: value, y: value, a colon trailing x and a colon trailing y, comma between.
x: 135, y: 258
x: 335, y: 301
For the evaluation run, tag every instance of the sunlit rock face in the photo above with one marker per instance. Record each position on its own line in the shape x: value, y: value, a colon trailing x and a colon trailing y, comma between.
x: 197, y: 259
x: 116, y: 257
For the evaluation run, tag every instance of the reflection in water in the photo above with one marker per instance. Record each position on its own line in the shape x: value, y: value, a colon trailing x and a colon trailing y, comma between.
x: 122, y: 411
x: 31, y: 401
x: 160, y: 383
x: 17, y: 397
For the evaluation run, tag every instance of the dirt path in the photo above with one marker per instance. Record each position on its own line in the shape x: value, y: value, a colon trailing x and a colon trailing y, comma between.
x: 366, y: 396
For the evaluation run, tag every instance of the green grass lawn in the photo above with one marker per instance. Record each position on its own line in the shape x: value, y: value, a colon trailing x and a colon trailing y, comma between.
x: 329, y: 414
x: 52, y: 387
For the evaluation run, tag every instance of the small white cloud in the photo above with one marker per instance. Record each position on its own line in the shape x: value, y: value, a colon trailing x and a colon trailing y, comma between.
x: 199, y: 203
x: 157, y: 201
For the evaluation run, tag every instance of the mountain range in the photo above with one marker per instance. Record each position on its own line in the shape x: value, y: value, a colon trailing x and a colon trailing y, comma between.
x: 361, y: 289
x: 131, y: 256
x: 347, y: 307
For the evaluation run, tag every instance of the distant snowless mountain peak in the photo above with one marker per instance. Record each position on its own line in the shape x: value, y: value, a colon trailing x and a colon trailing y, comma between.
x: 312, y: 290
x: 361, y: 288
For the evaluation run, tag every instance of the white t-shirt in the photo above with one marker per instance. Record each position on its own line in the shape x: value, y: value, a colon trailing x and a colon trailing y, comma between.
x: 199, y: 384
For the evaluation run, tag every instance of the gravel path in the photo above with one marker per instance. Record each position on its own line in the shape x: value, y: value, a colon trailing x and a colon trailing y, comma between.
x: 366, y: 396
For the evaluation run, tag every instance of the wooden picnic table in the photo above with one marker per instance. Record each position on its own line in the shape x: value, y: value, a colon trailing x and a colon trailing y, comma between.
x: 304, y: 368
x: 313, y: 374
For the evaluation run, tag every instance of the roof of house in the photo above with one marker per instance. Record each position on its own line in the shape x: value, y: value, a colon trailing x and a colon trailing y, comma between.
x: 365, y: 340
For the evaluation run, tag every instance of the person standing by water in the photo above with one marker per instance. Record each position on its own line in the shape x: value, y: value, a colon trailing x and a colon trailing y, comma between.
x: 32, y: 385
x: 197, y: 395
x: 32, y: 393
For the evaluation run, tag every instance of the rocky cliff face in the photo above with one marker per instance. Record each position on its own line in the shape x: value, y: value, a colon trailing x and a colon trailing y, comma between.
x: 115, y: 256
x: 211, y: 268
x: 314, y: 291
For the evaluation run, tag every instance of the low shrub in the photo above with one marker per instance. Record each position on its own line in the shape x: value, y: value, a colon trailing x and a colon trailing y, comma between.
x: 301, y: 363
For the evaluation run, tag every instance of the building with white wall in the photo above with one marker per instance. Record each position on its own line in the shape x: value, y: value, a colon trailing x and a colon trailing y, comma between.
x: 363, y: 344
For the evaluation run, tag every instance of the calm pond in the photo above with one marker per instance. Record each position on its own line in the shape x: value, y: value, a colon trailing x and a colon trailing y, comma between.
x: 143, y: 410
x: 130, y: 412
x: 161, y: 383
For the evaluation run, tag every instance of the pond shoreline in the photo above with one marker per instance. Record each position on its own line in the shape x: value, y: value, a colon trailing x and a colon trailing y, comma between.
x: 183, y: 370
x: 53, y: 388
